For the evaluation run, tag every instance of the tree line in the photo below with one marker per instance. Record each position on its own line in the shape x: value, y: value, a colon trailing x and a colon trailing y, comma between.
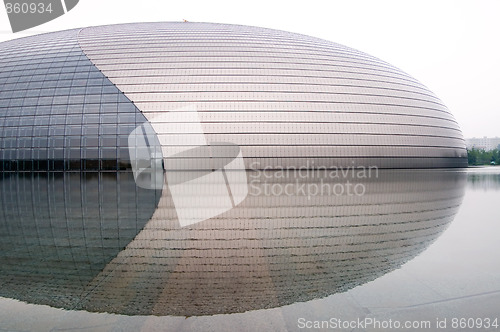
x: 482, y: 157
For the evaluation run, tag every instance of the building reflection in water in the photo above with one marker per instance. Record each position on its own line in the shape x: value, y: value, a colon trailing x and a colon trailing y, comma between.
x: 97, y: 242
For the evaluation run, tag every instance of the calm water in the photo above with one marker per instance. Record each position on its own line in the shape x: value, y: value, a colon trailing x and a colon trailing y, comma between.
x: 92, y: 252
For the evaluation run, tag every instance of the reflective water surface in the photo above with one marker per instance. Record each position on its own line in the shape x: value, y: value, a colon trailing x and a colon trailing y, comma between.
x: 92, y: 251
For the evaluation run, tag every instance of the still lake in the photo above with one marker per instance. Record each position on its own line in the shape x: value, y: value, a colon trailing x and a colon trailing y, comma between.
x: 92, y: 252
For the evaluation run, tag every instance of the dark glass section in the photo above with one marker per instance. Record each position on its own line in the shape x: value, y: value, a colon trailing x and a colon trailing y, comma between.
x: 58, y: 111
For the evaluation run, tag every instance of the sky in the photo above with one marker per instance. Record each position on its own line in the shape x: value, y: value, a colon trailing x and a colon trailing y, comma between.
x: 451, y: 46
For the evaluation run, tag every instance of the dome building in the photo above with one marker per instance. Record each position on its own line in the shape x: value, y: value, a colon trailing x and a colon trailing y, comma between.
x: 119, y: 147
x: 70, y: 100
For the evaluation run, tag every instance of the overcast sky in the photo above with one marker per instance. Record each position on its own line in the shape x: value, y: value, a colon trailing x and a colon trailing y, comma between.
x: 452, y: 47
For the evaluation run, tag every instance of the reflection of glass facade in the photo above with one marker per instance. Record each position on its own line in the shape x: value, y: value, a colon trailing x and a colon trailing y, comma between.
x: 58, y: 230
x: 61, y: 241
x: 68, y: 100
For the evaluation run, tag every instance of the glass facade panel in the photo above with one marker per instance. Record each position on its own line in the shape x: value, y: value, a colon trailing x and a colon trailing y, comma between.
x: 51, y: 102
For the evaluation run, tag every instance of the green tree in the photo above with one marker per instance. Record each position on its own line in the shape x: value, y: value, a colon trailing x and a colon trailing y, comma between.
x: 472, y: 155
x: 482, y: 157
